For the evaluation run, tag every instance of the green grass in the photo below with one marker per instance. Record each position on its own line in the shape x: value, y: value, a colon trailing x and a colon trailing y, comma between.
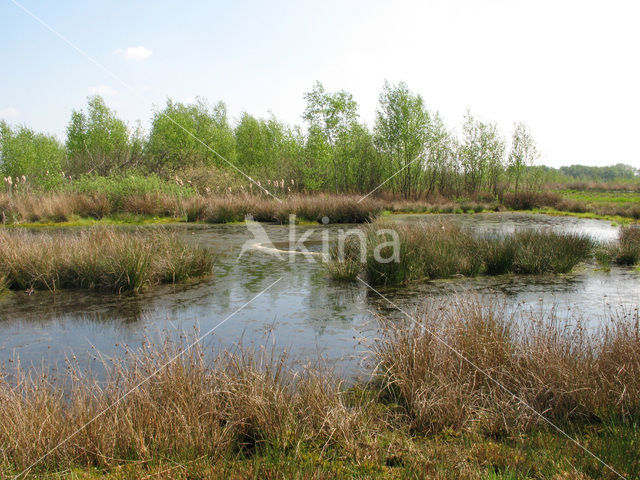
x: 602, y: 197
x: 111, y: 220
x: 428, y: 251
x: 618, y: 219
x: 468, y: 456
x: 118, y: 188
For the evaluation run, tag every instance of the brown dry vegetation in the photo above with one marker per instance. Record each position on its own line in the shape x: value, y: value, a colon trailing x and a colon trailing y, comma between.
x: 62, y: 207
x: 213, y: 209
x: 249, y: 409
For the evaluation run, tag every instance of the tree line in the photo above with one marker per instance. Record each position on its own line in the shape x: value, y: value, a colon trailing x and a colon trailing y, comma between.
x: 409, y: 149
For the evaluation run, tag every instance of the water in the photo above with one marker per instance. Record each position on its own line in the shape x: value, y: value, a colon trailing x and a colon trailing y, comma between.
x: 301, y: 310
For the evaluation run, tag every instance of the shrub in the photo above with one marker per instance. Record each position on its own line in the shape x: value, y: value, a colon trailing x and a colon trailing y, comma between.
x: 36, y: 156
x: 118, y: 188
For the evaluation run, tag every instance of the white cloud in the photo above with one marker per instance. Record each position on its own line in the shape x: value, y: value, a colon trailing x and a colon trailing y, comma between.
x: 9, y: 112
x: 135, y: 53
x: 103, y: 90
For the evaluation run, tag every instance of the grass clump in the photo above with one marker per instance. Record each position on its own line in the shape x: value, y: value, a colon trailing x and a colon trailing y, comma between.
x: 434, y: 368
x: 345, y: 262
x: 628, y: 248
x: 539, y: 252
x: 346, y: 270
x: 239, y: 404
x: 104, y: 259
x: 625, y: 251
x: 424, y: 251
x: 400, y: 254
x: 498, y: 254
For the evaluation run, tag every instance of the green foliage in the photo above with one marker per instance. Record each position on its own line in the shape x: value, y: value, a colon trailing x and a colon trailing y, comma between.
x: 117, y: 188
x: 401, y: 127
x: 409, y: 152
x: 361, y: 165
x: 333, y: 115
x: 317, y: 161
x: 523, y: 154
x: 482, y: 155
x: 619, y: 171
x: 267, y: 149
x: 36, y: 156
x: 190, y: 136
x: 98, y: 142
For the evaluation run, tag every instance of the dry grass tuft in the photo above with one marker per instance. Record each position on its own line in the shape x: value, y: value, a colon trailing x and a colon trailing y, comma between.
x: 98, y: 259
x: 237, y: 403
x: 559, y: 369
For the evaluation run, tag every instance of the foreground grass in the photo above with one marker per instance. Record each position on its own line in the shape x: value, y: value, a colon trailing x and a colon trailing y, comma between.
x: 103, y: 259
x: 423, y: 413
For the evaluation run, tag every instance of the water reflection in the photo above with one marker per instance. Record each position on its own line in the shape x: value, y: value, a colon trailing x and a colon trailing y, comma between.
x: 305, y: 311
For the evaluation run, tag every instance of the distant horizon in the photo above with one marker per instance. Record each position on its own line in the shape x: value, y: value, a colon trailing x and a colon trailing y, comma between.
x: 564, y: 70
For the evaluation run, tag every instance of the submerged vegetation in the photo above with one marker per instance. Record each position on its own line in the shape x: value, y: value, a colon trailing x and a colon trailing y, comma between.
x: 102, y: 259
x: 441, y: 249
x: 458, y: 412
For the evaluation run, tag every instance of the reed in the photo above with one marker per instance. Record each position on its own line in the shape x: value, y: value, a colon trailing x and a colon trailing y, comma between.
x: 103, y: 259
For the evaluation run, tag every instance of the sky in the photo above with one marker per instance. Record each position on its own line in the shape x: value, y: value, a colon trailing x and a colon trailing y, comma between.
x: 568, y: 69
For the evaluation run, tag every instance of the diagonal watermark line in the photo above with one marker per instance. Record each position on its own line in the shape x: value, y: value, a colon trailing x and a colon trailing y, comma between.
x: 406, y: 166
x: 486, y: 374
x: 143, y: 381
x: 136, y: 93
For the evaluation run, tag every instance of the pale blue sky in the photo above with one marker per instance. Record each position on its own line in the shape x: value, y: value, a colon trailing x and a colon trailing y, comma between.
x: 569, y: 69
